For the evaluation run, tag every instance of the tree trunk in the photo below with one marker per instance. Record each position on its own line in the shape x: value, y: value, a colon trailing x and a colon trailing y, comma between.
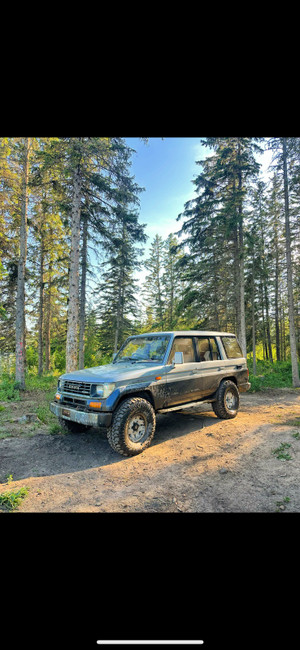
x: 242, y: 293
x: 47, y: 329
x: 293, y: 346
x: 242, y: 325
x: 253, y: 320
x: 73, y: 306
x: 237, y: 283
x: 118, y: 318
x: 20, y: 301
x: 83, y: 292
x: 268, y: 323
x: 41, y: 307
x: 278, y: 356
x: 264, y: 340
x: 160, y: 309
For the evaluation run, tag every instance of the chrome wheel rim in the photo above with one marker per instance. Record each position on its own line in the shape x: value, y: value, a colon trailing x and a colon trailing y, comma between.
x: 137, y: 427
x: 231, y: 400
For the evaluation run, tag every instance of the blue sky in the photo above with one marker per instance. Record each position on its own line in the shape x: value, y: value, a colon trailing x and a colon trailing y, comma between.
x: 165, y: 168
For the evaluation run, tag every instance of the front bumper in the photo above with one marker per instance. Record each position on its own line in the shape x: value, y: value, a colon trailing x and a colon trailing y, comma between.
x: 82, y: 417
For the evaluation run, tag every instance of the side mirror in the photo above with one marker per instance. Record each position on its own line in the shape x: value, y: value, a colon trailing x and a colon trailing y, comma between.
x: 178, y: 358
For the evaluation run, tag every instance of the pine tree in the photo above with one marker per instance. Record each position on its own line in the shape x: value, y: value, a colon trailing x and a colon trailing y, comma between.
x: 284, y: 151
x: 153, y: 284
x: 118, y: 305
x: 171, y: 281
x: 20, y: 300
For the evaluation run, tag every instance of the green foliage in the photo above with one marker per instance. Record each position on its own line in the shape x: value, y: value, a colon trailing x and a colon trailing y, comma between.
x: 43, y: 413
x: 45, y: 382
x: 31, y: 357
x: 280, y: 452
x: 8, y: 388
x: 12, y: 499
x: 55, y: 429
x: 271, y: 375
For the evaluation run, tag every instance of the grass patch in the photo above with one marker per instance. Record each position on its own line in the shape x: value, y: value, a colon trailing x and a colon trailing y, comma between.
x: 295, y: 423
x: 35, y: 399
x: 45, y: 382
x: 8, y: 389
x: 44, y: 414
x: 54, y: 429
x: 281, y: 504
x: 280, y: 452
x: 4, y: 434
x: 271, y: 375
x: 11, y: 499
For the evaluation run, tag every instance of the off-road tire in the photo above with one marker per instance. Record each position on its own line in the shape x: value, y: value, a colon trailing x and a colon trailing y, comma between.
x: 220, y: 406
x: 134, y: 408
x: 72, y: 427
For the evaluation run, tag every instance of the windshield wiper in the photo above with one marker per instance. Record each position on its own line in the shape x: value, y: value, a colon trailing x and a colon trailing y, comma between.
x: 136, y: 360
x: 126, y: 359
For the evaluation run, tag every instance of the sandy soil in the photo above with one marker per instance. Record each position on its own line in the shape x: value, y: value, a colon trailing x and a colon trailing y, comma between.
x: 196, y: 463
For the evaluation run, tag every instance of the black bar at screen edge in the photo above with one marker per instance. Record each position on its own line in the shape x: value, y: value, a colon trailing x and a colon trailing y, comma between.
x: 71, y: 580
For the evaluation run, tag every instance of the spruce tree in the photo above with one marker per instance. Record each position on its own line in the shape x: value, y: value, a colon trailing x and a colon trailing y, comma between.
x: 153, y: 284
x: 284, y: 154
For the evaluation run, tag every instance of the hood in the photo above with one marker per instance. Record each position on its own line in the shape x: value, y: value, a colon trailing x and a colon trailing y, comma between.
x: 114, y: 372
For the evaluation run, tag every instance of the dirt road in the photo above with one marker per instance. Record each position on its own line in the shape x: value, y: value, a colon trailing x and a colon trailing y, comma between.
x: 196, y: 463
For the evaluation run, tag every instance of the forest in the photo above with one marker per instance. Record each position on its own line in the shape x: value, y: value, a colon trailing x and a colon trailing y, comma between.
x: 74, y: 277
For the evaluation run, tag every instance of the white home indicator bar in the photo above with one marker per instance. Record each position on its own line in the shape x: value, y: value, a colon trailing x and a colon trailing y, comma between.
x: 146, y: 642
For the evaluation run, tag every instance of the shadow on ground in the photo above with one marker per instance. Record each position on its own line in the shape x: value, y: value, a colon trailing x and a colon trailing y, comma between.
x: 46, y: 455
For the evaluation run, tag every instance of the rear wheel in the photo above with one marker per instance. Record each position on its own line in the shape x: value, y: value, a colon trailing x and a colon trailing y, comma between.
x: 133, y: 427
x: 227, y: 401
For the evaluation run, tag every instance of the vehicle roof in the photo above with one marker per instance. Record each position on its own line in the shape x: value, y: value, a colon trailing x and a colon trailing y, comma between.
x: 187, y: 333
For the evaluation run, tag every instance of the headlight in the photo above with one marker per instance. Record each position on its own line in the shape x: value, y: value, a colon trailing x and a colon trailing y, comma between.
x: 104, y: 390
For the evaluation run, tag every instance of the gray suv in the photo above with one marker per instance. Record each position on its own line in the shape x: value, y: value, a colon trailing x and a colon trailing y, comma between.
x: 153, y: 373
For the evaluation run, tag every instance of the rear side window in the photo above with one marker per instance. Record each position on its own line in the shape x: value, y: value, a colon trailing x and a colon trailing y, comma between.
x: 214, y: 349
x: 232, y: 348
x: 203, y: 349
x: 184, y: 345
x: 207, y: 349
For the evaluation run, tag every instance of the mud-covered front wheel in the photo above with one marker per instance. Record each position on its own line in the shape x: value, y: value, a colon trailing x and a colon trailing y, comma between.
x: 133, y: 427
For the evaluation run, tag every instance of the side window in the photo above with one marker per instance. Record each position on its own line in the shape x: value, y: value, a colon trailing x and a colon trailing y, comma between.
x: 214, y: 349
x: 232, y: 348
x: 203, y: 349
x: 184, y: 345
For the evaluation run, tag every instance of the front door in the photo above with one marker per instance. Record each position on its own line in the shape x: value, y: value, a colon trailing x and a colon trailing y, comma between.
x: 208, y: 366
x: 181, y: 379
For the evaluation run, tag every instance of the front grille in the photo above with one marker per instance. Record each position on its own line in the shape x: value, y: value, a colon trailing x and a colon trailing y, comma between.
x: 73, y: 400
x: 76, y: 387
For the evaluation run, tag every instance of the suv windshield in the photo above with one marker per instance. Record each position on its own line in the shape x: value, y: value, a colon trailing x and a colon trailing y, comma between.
x: 146, y: 348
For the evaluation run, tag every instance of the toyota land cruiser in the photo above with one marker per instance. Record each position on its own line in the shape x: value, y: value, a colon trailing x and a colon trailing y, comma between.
x: 153, y: 373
